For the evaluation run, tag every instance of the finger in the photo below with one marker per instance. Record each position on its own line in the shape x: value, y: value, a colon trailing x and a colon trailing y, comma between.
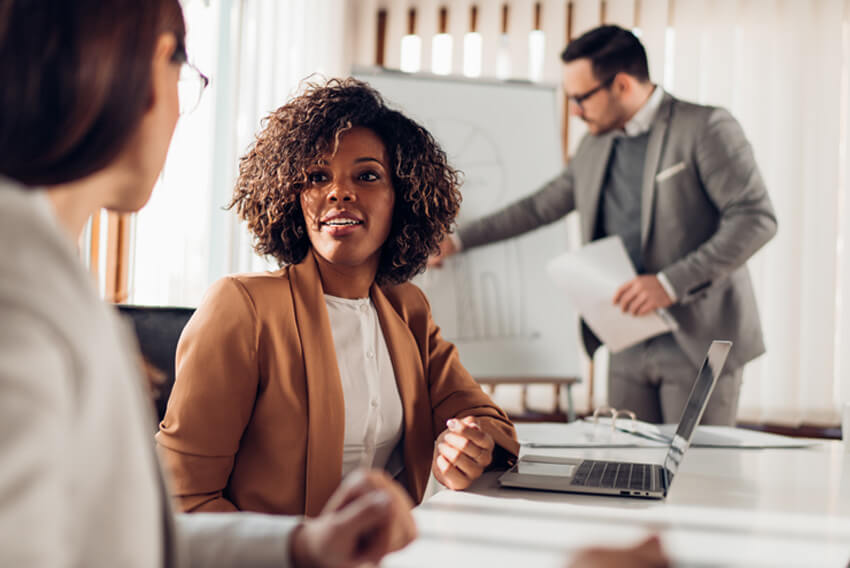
x: 447, y: 247
x: 354, y: 485
x: 364, y: 515
x: 627, y: 298
x: 470, y: 429
x: 464, y: 462
x: 400, y: 531
x: 480, y: 455
x: 618, y: 295
x: 641, y: 300
x: 633, y: 301
x: 449, y: 475
x: 646, y: 307
x: 651, y: 551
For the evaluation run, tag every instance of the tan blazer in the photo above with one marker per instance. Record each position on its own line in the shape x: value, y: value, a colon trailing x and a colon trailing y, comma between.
x: 256, y: 418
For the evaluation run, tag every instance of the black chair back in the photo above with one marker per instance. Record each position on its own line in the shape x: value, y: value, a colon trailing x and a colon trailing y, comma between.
x: 158, y: 330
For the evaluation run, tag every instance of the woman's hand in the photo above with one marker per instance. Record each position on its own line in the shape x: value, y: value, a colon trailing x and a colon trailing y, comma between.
x: 461, y: 453
x: 647, y: 554
x: 365, y: 519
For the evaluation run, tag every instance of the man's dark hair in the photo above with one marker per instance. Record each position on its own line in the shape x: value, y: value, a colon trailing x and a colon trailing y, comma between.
x: 611, y: 50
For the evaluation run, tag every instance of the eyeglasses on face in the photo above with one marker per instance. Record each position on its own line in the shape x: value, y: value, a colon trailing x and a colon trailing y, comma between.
x: 579, y: 99
x: 190, y: 87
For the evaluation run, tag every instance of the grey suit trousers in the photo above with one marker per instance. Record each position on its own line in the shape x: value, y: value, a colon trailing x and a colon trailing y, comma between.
x: 654, y: 378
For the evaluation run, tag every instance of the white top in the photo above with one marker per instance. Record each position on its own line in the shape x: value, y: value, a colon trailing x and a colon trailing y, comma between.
x: 79, y: 482
x: 373, y: 412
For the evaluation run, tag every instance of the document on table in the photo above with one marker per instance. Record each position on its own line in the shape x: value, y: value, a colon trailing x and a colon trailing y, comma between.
x: 600, y: 434
x: 591, y: 276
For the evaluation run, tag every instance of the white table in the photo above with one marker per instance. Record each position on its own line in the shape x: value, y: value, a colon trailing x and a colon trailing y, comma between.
x: 778, y: 507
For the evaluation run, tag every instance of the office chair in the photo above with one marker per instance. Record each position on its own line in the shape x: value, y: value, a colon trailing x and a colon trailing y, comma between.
x: 158, y: 330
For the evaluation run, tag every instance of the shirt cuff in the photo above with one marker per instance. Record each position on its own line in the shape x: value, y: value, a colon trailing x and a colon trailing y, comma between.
x: 667, y: 286
x: 455, y: 239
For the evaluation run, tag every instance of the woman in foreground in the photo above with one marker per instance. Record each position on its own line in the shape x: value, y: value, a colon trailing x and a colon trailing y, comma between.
x: 89, y: 101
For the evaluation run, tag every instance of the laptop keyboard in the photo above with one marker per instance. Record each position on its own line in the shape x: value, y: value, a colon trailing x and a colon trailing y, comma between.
x: 615, y: 475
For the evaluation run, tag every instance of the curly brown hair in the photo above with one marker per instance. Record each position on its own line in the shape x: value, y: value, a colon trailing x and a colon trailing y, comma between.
x: 307, y: 128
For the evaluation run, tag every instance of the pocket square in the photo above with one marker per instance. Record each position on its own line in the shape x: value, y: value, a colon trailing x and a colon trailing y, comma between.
x: 669, y: 172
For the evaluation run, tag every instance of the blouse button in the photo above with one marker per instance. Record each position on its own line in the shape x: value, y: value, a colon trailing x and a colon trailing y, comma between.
x: 370, y: 354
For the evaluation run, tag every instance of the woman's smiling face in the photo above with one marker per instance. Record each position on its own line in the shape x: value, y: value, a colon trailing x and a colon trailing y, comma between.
x: 348, y: 201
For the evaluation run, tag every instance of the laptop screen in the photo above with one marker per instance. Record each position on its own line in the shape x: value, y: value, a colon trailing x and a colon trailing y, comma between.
x: 697, y: 401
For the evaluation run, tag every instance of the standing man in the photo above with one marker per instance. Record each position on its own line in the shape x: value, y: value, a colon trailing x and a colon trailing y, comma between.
x: 679, y: 183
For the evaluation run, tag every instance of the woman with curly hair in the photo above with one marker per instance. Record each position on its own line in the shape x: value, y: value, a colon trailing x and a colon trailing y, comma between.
x: 289, y: 380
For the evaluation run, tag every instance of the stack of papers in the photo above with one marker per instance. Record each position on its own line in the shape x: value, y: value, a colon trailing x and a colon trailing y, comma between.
x: 587, y: 434
x: 591, y: 276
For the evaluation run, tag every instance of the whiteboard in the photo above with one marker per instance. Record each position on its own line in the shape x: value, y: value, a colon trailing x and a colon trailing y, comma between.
x: 496, y: 303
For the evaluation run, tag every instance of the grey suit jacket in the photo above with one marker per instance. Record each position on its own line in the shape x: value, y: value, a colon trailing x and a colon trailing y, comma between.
x: 704, y: 212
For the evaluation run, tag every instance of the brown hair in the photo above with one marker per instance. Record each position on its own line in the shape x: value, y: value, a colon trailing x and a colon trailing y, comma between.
x: 274, y: 172
x: 75, y: 80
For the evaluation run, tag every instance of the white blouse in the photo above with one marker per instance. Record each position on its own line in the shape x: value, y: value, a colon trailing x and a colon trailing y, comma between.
x: 373, y: 411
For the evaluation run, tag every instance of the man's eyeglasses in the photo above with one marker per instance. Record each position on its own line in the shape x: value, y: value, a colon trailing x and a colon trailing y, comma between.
x: 190, y: 87
x: 579, y: 99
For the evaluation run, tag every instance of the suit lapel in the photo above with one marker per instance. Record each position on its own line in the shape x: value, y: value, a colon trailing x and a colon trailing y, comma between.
x: 596, y: 177
x: 655, y: 145
x: 325, y: 404
x: 411, y: 381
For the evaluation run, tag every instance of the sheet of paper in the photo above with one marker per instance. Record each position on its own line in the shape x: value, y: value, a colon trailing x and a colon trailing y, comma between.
x: 586, y: 434
x: 591, y: 276
x: 579, y: 434
x: 729, y: 437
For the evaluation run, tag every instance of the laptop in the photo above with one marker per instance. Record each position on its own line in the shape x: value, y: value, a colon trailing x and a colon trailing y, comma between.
x: 626, y: 479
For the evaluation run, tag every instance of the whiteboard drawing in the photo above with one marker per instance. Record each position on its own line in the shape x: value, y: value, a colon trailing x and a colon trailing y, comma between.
x: 488, y: 297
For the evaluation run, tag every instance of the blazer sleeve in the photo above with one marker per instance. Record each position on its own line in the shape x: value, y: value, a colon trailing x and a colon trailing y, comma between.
x: 733, y: 183
x: 455, y: 394
x: 216, y: 382
x: 235, y: 539
x: 546, y: 205
x: 35, y: 409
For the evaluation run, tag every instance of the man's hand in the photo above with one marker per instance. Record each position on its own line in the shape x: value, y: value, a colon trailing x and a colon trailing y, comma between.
x: 648, y: 554
x: 642, y: 295
x: 461, y: 453
x: 365, y: 519
x: 447, y: 248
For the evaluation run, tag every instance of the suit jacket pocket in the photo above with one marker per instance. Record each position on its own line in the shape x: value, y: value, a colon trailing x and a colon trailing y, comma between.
x: 667, y: 173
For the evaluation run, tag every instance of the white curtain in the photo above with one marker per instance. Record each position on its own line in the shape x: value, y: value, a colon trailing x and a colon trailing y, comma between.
x: 257, y: 52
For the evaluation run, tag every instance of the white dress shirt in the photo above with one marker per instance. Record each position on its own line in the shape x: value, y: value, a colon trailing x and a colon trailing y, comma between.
x: 373, y: 411
x: 642, y: 120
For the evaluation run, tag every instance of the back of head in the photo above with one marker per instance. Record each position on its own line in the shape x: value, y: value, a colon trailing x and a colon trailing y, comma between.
x: 75, y: 81
x: 611, y: 50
